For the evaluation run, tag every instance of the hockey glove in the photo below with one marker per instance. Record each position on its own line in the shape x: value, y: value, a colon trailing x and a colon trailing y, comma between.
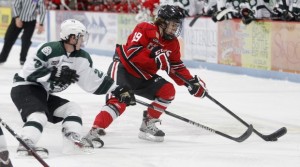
x: 161, y: 58
x: 124, y: 95
x: 63, y: 75
x: 198, y: 89
x: 287, y: 15
x: 247, y: 16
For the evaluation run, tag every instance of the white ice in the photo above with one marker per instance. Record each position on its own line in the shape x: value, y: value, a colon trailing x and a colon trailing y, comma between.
x: 267, y: 104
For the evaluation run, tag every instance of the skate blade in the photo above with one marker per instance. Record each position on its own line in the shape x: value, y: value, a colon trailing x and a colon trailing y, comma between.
x: 97, y: 143
x: 149, y: 137
x: 26, y: 154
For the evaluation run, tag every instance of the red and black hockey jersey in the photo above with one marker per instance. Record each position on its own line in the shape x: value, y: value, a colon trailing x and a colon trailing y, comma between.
x: 135, y: 54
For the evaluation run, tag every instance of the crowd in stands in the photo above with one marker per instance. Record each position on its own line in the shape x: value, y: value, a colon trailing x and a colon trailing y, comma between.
x: 119, y: 6
x: 219, y: 10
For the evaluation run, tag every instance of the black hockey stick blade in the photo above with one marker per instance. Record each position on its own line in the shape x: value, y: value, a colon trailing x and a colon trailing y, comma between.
x: 240, y: 139
x: 274, y: 136
x: 246, y: 134
x: 97, y: 143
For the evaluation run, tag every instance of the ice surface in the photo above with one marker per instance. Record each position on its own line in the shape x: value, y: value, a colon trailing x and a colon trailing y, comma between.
x: 267, y: 104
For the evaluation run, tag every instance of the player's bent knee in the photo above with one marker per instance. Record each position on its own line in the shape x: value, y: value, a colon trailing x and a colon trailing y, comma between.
x: 166, y: 92
x: 118, y: 107
x: 68, y: 109
x: 38, y: 117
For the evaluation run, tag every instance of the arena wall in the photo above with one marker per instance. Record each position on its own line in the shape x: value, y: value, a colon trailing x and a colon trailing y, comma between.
x: 268, y: 49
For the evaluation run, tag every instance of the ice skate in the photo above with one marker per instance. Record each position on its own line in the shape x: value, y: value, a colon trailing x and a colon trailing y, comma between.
x: 94, y: 136
x: 23, y: 152
x: 148, y: 130
x: 74, y: 144
x: 4, y: 159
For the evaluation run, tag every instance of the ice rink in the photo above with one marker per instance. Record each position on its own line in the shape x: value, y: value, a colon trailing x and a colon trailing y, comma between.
x: 267, y: 104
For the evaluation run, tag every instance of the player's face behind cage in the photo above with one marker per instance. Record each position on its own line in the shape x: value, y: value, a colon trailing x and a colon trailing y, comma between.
x: 173, y: 28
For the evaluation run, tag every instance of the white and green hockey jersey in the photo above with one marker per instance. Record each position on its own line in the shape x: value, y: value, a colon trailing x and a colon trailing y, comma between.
x: 37, y: 70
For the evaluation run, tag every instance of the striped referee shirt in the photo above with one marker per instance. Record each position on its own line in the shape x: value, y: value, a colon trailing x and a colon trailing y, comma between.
x: 27, y: 10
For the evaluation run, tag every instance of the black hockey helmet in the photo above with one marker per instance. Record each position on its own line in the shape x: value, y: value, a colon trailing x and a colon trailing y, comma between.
x: 167, y: 13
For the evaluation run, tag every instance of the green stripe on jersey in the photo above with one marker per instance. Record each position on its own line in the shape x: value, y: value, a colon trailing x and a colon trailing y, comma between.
x: 104, y: 87
x: 38, y: 74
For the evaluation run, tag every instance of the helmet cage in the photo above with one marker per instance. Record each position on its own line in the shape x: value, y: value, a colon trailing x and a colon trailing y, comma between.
x: 177, y: 32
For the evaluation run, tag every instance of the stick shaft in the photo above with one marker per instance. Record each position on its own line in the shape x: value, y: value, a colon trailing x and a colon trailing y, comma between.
x: 238, y: 139
x: 24, y: 144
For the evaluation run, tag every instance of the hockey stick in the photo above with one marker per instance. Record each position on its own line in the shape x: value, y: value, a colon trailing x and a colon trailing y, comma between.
x: 225, y: 12
x: 194, y: 20
x: 24, y: 144
x: 243, y: 137
x: 271, y: 137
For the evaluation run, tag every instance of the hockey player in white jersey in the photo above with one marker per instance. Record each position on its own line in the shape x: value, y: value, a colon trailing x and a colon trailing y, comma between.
x: 54, y: 67
x: 4, y: 154
x: 294, y: 7
x: 288, y: 10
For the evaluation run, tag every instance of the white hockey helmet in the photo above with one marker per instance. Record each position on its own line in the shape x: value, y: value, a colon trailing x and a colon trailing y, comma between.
x: 73, y: 27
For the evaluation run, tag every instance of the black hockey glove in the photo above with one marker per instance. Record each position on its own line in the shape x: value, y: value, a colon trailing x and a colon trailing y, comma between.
x: 247, y: 16
x: 277, y: 12
x: 198, y: 89
x: 287, y: 15
x: 124, y: 95
x: 161, y: 57
x: 63, y: 75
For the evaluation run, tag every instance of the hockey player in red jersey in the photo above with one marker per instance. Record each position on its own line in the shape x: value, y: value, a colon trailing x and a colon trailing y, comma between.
x: 149, y: 48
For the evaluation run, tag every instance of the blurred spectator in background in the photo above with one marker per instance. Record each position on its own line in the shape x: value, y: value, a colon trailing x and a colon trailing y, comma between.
x: 147, y: 10
x: 150, y: 5
x: 56, y: 4
x: 95, y: 5
x: 287, y: 10
x: 122, y: 6
x: 295, y: 9
x: 190, y: 7
x: 246, y: 10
